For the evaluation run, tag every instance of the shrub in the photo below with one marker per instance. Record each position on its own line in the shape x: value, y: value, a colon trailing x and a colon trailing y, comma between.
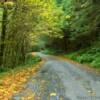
x: 30, y: 59
x: 96, y: 63
x: 85, y: 58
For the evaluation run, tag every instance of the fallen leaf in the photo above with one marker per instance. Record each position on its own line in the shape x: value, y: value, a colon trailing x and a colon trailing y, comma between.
x: 53, y: 94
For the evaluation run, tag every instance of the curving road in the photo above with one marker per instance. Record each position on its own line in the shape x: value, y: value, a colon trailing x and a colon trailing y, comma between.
x: 61, y: 80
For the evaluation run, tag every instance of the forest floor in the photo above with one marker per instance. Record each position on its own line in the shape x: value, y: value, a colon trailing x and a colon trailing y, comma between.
x: 60, y: 80
x: 12, y: 81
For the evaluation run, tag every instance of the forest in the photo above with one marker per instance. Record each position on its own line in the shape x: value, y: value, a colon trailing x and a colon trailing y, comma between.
x: 72, y: 26
x: 69, y: 28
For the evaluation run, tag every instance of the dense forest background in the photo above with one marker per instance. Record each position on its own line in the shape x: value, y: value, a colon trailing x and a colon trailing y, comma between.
x: 71, y: 26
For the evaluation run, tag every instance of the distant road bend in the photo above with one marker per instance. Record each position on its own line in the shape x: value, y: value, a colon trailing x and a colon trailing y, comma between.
x: 61, y: 80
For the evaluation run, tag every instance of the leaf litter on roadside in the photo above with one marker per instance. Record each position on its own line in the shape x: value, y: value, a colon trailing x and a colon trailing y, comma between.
x: 13, y: 83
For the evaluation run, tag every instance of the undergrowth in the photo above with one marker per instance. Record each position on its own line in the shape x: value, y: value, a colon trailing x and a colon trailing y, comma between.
x: 30, y: 60
x: 90, y: 55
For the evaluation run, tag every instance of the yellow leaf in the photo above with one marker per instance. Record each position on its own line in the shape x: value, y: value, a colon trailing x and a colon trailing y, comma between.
x: 53, y: 94
x: 68, y: 17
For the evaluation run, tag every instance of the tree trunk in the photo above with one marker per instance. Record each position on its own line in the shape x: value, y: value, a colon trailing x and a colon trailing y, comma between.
x: 3, y: 34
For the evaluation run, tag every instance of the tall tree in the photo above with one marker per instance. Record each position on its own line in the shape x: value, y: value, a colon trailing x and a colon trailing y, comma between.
x: 3, y: 33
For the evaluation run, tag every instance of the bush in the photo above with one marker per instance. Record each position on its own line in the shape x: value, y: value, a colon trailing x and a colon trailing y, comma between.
x: 30, y: 59
x: 89, y: 55
x: 52, y: 51
x: 96, y: 63
x: 72, y: 56
x: 3, y: 69
x: 85, y: 58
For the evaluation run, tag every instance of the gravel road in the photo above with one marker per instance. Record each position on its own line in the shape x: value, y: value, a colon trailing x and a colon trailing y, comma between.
x: 61, y: 80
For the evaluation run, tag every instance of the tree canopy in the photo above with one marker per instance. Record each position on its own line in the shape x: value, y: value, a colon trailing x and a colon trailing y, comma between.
x: 27, y: 23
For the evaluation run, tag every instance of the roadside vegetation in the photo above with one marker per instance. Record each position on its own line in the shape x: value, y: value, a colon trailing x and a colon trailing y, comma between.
x: 51, y: 51
x: 13, y: 80
x: 29, y: 61
x: 89, y: 55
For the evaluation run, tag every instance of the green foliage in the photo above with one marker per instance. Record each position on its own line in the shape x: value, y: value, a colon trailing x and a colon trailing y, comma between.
x: 89, y: 55
x: 18, y: 33
x: 85, y: 58
x: 52, y: 51
x: 48, y: 51
x: 40, y: 24
x: 30, y: 59
x: 72, y: 56
x: 2, y: 70
x: 83, y: 17
x: 96, y: 63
